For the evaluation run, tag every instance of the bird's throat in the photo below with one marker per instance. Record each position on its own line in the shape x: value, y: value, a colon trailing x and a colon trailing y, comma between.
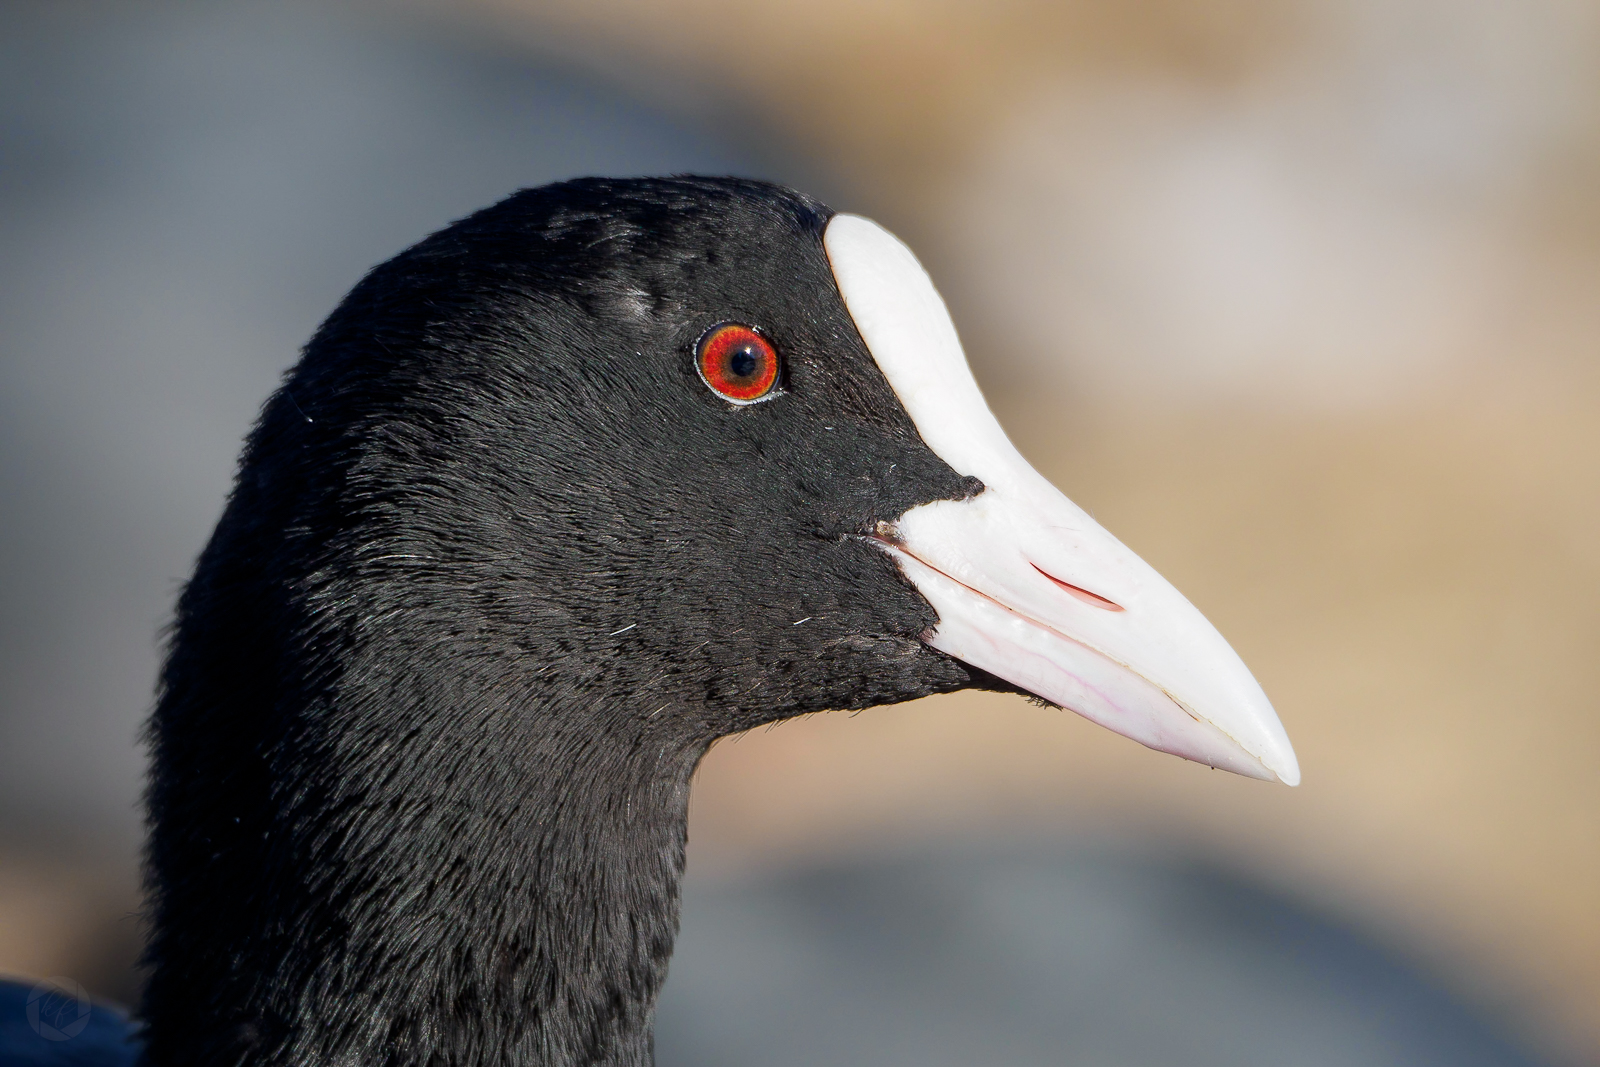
x: 503, y: 890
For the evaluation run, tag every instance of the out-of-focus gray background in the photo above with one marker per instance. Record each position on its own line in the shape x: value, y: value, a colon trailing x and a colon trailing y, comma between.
x: 1301, y: 298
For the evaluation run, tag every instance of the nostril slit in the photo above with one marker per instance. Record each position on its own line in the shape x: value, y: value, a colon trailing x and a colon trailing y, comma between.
x: 1092, y: 599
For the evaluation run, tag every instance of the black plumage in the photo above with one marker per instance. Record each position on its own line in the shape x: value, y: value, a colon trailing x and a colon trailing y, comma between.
x: 497, y: 569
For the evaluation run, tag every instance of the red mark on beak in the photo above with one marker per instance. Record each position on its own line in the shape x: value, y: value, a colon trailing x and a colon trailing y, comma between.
x: 1092, y: 599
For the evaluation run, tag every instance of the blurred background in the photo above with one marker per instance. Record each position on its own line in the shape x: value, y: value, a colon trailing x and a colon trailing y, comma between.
x: 1301, y: 298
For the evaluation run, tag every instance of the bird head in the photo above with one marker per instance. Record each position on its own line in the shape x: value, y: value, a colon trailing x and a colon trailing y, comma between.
x: 706, y: 441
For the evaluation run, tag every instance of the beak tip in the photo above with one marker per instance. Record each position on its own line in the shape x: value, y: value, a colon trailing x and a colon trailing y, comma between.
x: 1284, y: 767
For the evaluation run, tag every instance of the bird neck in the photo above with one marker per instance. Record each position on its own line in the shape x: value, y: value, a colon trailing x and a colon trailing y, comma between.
x: 420, y: 870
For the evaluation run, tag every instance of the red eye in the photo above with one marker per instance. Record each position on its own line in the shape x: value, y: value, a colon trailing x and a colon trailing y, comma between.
x: 737, y: 362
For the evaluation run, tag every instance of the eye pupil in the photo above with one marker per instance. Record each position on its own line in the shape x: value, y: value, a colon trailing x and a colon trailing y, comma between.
x: 737, y: 362
x: 743, y: 362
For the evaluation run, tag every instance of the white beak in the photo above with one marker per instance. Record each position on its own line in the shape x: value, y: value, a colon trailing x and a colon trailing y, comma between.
x: 1027, y: 586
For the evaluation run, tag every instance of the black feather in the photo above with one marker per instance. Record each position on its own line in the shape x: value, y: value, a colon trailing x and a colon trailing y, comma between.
x: 497, y: 569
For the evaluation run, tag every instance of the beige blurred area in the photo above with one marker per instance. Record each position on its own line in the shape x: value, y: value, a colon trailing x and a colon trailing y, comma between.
x: 1302, y: 301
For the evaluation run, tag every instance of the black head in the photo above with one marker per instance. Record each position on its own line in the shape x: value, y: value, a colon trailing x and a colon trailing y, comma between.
x: 509, y: 549
x: 501, y: 440
x: 499, y: 565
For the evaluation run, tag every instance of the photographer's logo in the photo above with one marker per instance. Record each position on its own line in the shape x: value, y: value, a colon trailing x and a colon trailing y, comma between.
x: 58, y: 1009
